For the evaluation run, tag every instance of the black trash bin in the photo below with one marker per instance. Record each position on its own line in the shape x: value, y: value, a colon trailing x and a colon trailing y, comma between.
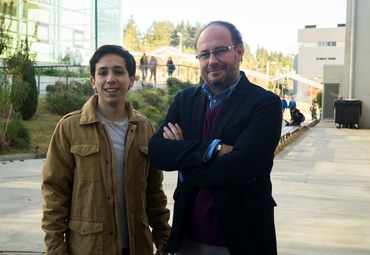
x: 347, y: 113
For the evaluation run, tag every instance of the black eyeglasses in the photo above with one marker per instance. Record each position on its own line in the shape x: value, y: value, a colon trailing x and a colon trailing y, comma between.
x: 218, y: 52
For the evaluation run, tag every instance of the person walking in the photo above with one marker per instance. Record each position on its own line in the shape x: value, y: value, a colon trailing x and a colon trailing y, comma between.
x: 144, y: 69
x: 100, y: 193
x: 221, y: 138
x: 170, y: 67
x: 153, y: 69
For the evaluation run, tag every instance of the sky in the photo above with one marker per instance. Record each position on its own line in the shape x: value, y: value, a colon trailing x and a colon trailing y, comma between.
x: 271, y: 24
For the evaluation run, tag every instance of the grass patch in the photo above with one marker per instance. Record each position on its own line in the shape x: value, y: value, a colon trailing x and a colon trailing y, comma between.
x: 41, y: 127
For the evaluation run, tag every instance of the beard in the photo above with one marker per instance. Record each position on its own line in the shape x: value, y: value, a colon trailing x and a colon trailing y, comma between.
x: 222, y: 82
x: 219, y: 84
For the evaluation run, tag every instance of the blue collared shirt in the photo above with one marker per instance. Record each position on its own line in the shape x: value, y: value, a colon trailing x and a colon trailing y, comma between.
x: 219, y: 98
x: 213, y: 102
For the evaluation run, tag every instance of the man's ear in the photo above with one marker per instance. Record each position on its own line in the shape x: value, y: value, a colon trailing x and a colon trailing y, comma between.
x: 92, y: 81
x: 132, y: 82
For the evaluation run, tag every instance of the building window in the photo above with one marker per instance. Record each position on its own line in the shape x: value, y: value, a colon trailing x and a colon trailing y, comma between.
x: 322, y: 59
x: 42, y: 33
x: 326, y: 44
x: 78, y: 38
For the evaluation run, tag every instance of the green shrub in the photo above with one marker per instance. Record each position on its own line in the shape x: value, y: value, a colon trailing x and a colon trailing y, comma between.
x: 17, y: 134
x: 62, y: 98
x: 172, y: 81
x: 24, y: 94
x: 82, y: 88
x: 65, y: 102
x: 82, y: 72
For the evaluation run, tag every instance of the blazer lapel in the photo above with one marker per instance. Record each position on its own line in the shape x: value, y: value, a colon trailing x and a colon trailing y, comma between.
x: 198, y: 107
x: 231, y: 105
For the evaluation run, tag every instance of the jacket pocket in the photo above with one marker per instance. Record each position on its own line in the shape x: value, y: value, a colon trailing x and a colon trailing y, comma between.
x: 86, y: 158
x: 85, y: 237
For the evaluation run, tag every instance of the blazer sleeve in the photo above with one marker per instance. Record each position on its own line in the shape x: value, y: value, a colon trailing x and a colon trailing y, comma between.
x: 170, y: 155
x: 253, y: 149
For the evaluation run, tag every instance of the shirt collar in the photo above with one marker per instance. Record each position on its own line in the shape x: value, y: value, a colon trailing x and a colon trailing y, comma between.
x: 219, y: 98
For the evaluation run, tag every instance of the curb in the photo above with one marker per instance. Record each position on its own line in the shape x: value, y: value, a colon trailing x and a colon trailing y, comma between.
x: 21, y: 157
x: 293, y: 136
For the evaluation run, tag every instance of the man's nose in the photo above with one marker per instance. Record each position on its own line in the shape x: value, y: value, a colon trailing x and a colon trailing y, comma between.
x: 110, y: 76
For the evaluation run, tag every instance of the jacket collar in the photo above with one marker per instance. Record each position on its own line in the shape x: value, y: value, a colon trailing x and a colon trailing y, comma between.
x: 88, y: 112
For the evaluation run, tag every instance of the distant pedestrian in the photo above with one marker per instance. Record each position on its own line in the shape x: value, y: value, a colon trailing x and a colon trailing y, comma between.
x: 143, y: 68
x: 297, y: 117
x: 153, y: 69
x: 284, y: 104
x: 292, y: 104
x: 170, y: 67
x: 313, y: 110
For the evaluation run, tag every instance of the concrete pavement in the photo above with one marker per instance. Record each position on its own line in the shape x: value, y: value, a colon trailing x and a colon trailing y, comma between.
x: 321, y: 182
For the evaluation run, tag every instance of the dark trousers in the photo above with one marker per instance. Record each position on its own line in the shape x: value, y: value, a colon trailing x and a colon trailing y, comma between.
x: 126, y: 251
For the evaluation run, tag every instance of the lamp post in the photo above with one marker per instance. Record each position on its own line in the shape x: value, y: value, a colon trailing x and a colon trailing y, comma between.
x: 179, y: 34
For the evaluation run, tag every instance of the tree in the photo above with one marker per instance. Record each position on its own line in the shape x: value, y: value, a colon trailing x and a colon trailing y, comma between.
x: 159, y: 34
x: 24, y: 92
x: 18, y: 89
x: 130, y: 36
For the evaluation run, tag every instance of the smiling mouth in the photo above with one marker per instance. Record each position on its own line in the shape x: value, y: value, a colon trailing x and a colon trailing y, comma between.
x: 111, y: 90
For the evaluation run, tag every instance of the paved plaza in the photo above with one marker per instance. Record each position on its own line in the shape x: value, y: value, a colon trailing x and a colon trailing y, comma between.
x: 321, y: 183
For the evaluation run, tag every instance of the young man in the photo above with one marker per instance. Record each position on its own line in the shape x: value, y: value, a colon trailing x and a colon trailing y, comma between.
x: 221, y: 137
x: 101, y: 195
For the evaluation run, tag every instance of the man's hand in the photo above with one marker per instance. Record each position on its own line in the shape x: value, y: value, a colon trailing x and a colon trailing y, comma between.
x: 161, y: 250
x: 173, y: 132
x: 225, y: 149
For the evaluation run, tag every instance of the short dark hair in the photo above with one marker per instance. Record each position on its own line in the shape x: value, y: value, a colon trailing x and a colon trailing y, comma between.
x: 235, y: 34
x: 113, y: 49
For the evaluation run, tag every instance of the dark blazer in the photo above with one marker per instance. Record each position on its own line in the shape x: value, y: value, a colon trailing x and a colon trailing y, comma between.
x: 251, y: 122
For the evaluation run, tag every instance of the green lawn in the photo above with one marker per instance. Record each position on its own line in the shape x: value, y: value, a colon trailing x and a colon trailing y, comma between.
x: 41, y: 127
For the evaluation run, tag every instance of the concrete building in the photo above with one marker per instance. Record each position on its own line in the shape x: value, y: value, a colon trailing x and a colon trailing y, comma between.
x: 318, y: 47
x: 356, y: 71
x: 65, y: 30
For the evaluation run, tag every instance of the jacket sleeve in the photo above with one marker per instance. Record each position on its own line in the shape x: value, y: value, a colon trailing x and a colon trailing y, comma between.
x: 252, y: 153
x: 56, y: 191
x: 170, y: 155
x: 158, y: 213
x: 254, y: 141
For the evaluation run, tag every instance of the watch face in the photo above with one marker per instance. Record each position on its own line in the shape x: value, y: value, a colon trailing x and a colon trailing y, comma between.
x: 218, y: 148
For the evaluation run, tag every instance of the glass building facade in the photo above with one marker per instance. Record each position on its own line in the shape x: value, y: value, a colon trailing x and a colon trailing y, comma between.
x: 65, y: 31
